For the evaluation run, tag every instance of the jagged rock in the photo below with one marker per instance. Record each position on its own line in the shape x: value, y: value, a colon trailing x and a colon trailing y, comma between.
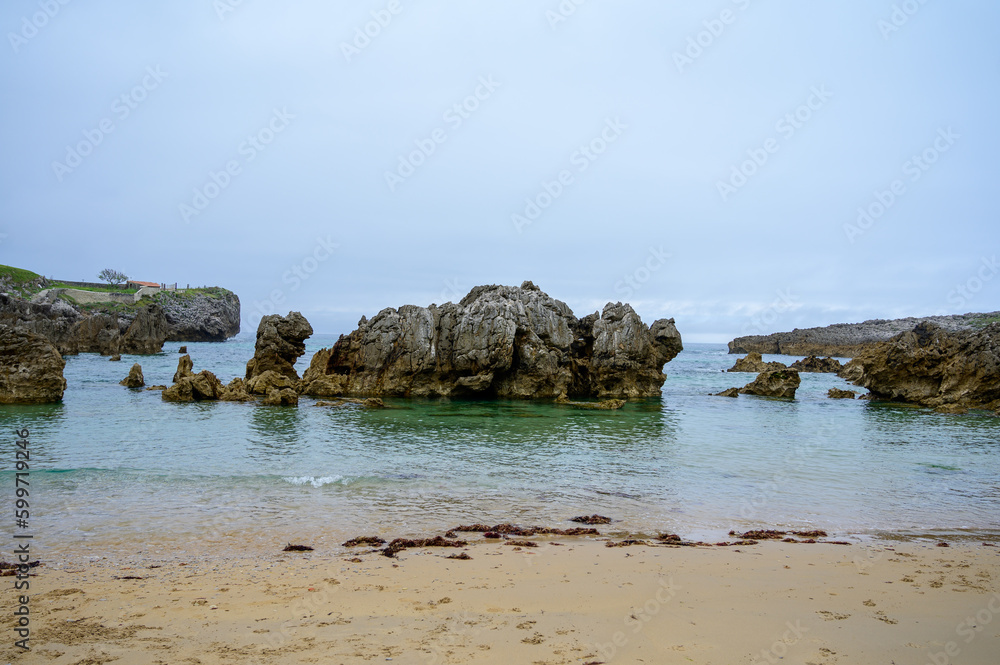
x: 236, y: 391
x: 373, y: 403
x: 847, y: 340
x: 156, y: 388
x: 185, y: 367
x: 755, y: 364
x: 31, y: 369
x: 732, y: 392
x: 953, y: 409
x: 851, y: 371
x: 837, y: 393
x: 280, y: 342
x: 498, y: 342
x: 263, y: 383
x: 817, y: 365
x: 134, y: 378
x: 933, y: 367
x: 774, y: 383
x: 115, y: 358
x: 147, y: 332
x: 190, y: 387
x: 200, y: 315
x: 281, y: 397
x: 183, y: 349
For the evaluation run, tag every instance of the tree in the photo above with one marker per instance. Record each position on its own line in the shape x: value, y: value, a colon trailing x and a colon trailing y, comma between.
x: 113, y: 277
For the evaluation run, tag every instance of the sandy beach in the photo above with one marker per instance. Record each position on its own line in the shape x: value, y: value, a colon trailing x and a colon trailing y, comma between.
x: 568, y: 600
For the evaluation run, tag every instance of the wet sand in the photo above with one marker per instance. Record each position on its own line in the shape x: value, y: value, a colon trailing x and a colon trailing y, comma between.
x: 577, y: 601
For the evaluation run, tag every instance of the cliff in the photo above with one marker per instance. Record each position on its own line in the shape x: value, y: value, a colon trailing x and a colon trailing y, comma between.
x: 200, y: 315
x: 847, y: 340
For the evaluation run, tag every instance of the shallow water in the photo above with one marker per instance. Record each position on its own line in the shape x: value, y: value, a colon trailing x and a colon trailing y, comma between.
x: 115, y: 470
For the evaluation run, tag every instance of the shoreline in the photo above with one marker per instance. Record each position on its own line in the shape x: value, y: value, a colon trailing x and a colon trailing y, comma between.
x: 568, y: 600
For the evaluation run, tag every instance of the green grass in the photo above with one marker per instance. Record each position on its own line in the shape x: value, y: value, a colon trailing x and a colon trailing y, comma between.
x: 985, y: 320
x: 95, y: 289
x: 18, y: 275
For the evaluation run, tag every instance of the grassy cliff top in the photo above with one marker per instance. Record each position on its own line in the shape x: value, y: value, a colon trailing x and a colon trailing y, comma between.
x: 18, y: 275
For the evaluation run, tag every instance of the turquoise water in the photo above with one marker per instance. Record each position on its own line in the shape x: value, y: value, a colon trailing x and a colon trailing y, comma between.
x: 115, y: 470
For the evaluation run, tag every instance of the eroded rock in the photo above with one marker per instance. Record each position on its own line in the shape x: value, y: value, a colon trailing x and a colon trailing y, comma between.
x: 31, y: 369
x: 774, y: 383
x: 134, y: 378
x: 817, y: 365
x: 280, y: 342
x: 753, y: 362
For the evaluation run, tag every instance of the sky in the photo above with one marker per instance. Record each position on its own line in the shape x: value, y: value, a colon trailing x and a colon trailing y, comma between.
x: 742, y: 166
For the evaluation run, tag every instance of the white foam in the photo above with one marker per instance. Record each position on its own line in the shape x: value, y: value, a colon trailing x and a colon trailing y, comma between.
x: 313, y: 480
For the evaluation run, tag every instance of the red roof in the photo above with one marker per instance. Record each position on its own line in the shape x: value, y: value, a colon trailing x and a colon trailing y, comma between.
x: 135, y: 281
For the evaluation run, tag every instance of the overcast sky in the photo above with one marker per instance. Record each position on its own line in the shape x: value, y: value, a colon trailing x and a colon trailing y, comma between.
x: 702, y: 160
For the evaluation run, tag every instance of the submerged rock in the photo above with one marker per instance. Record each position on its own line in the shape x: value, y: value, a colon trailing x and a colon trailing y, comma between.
x: 280, y: 342
x: 31, y: 369
x: 774, y: 383
x: 604, y: 405
x: 498, y: 342
x: 753, y: 362
x: 732, y: 392
x: 934, y: 367
x: 134, y: 378
x: 817, y: 365
x: 837, y: 393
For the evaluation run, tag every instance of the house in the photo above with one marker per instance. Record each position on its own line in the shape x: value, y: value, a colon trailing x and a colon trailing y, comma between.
x: 135, y: 284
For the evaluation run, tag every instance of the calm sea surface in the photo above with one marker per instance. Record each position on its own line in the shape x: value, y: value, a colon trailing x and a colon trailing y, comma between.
x: 116, y: 471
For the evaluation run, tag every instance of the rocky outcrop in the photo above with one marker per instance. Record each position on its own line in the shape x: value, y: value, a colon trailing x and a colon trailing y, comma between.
x: 31, y: 369
x: 262, y: 384
x: 204, y: 386
x: 135, y: 379
x: 498, y: 342
x: 837, y: 393
x: 817, y: 365
x: 139, y: 330
x: 934, y: 367
x: 753, y: 362
x: 731, y: 392
x: 280, y: 342
x: 847, y: 340
x: 774, y: 383
x: 281, y: 397
x: 200, y: 315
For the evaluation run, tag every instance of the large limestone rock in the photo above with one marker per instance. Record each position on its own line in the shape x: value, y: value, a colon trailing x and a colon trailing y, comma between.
x: 135, y: 379
x: 817, y: 365
x: 754, y: 363
x: 147, y: 332
x: 934, y: 367
x: 202, y: 315
x: 774, y: 383
x: 31, y: 369
x: 498, y: 342
x: 280, y: 342
x: 191, y: 387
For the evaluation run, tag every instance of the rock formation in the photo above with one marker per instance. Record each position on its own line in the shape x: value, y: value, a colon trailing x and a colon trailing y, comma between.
x: 135, y: 379
x: 847, y: 340
x: 933, y: 367
x: 140, y: 330
x: 200, y: 315
x: 280, y: 342
x: 281, y: 397
x: 817, y: 365
x: 204, y: 386
x: 31, y: 369
x: 837, y: 393
x: 753, y: 362
x: 731, y: 392
x: 774, y: 383
x: 498, y: 342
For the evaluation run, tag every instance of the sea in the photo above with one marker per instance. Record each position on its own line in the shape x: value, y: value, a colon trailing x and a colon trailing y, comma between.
x: 118, y: 472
